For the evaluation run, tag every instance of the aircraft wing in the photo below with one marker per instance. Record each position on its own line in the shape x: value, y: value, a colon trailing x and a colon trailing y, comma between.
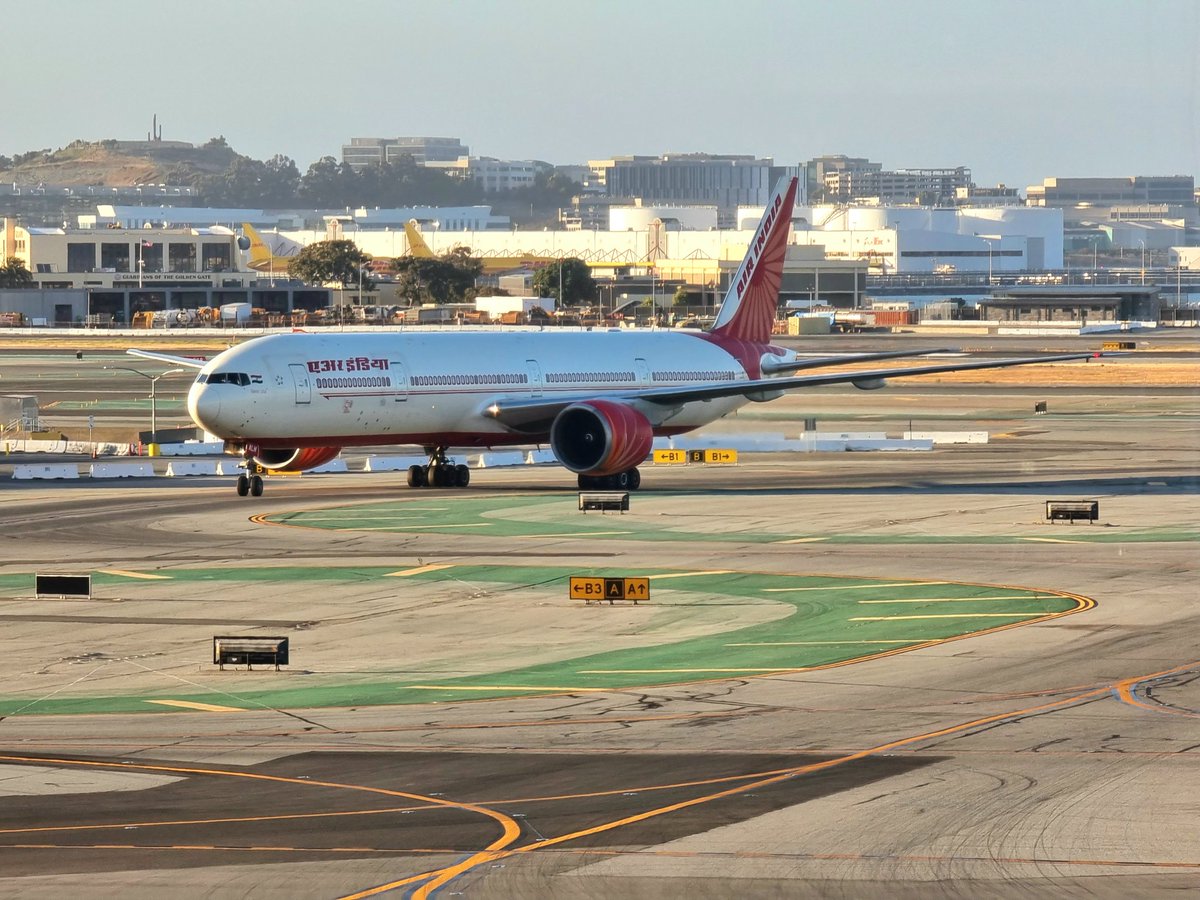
x: 536, y: 414
x: 821, y: 362
x: 167, y: 358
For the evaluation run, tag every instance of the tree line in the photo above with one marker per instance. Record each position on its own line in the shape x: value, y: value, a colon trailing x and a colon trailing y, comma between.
x: 448, y: 278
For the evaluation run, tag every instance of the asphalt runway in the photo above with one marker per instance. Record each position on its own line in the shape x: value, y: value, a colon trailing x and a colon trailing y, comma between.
x: 1055, y: 758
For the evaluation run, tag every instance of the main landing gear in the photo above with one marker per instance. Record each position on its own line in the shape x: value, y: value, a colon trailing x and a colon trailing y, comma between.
x: 440, y: 472
x: 629, y: 480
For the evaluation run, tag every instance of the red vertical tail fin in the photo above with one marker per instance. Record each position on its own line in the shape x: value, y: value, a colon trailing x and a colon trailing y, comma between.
x: 748, y: 310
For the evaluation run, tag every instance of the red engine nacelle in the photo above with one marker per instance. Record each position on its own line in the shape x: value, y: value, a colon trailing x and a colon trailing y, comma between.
x: 600, y: 437
x: 295, y: 460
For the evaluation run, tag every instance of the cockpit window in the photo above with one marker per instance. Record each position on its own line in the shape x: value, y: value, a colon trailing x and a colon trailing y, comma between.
x: 240, y: 378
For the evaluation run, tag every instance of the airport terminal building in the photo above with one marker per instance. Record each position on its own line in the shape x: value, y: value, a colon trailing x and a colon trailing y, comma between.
x: 105, y: 276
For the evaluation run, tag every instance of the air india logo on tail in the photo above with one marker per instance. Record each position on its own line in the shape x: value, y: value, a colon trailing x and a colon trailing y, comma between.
x: 748, y: 310
x: 755, y: 249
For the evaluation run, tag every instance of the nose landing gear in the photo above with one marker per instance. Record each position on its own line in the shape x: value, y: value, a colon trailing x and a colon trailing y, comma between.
x: 250, y: 482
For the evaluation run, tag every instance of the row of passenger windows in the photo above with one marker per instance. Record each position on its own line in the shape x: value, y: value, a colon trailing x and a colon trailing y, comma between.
x: 373, y: 381
x: 707, y: 375
x: 459, y: 379
x: 449, y: 380
x: 589, y: 377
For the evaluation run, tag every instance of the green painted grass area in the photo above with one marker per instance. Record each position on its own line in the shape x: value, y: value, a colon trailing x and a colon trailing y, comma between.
x: 162, y: 402
x: 557, y: 516
x: 828, y: 621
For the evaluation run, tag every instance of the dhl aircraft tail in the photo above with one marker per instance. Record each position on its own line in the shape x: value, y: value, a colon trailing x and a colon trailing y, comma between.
x: 416, y: 244
x: 749, y: 307
x: 260, y: 253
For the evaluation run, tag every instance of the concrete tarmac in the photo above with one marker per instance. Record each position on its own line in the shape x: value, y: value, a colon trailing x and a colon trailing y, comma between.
x: 1058, y: 758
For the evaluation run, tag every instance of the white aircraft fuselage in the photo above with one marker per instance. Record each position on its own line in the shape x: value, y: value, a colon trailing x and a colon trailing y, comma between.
x: 435, y: 388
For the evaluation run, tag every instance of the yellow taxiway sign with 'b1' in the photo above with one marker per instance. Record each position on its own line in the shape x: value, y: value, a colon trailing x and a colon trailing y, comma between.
x: 589, y: 589
x: 716, y: 457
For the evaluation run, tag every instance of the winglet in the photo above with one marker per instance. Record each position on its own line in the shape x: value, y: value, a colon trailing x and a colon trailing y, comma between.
x: 748, y: 310
x: 416, y: 244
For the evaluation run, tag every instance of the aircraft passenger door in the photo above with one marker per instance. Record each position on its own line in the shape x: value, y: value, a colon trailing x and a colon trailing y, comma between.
x: 643, y: 372
x: 303, y: 382
x: 399, y: 380
x: 536, y: 382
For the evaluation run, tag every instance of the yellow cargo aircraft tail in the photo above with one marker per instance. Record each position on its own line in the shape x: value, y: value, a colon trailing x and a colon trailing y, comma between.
x: 416, y: 244
x: 261, y: 257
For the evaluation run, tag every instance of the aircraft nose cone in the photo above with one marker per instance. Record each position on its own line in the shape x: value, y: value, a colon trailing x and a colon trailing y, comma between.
x: 204, y: 406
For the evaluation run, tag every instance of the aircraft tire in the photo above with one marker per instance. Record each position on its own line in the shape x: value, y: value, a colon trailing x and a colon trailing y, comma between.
x: 619, y: 481
x: 256, y: 485
x: 416, y: 476
x: 462, y: 476
x: 635, y: 479
x: 243, y: 486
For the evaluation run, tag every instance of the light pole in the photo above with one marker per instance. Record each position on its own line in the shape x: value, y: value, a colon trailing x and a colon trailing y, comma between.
x: 153, y: 397
x: 1143, y: 243
x: 989, y: 243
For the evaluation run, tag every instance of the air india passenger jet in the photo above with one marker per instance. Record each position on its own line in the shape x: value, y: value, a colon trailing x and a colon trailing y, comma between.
x: 291, y: 402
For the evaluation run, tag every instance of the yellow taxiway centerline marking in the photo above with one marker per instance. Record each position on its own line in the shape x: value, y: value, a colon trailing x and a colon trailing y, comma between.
x: 822, y: 643
x: 854, y: 587
x: 689, y: 575
x: 1053, y: 541
x: 123, y: 574
x: 955, y: 599
x: 1019, y: 615
x: 203, y: 707
x: 660, y: 671
x: 808, y: 540
x: 420, y: 570
x: 547, y: 689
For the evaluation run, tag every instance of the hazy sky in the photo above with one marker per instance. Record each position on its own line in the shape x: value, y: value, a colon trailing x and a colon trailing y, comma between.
x: 1015, y: 89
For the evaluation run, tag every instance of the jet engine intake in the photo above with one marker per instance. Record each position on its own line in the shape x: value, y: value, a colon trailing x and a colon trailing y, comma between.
x: 287, y: 459
x: 600, y: 437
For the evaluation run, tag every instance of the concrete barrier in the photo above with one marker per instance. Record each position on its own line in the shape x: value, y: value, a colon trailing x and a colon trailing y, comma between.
x: 334, y: 466
x: 846, y: 435
x: 34, y: 446
x: 499, y: 459
x: 889, y: 445
x: 948, y: 437
x: 55, y: 471
x: 191, y: 448
x: 123, y: 470
x: 182, y: 467
x: 541, y: 458
x: 392, y: 463
x: 229, y: 467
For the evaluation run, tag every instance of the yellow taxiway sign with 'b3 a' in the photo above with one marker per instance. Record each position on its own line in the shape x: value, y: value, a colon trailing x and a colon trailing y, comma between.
x: 591, y: 589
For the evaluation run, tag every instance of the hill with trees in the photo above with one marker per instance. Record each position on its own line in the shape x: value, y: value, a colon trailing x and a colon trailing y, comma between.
x: 222, y: 177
